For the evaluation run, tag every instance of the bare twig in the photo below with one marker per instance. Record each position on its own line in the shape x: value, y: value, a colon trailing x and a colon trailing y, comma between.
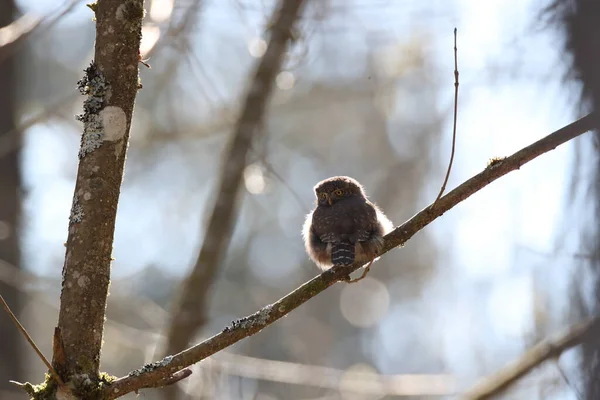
x: 443, y: 188
x: 190, y: 311
x: 565, y: 378
x: 31, y: 342
x: 254, y: 323
x: 545, y: 350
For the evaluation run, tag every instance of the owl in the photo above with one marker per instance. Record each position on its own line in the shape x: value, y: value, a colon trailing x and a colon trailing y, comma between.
x: 345, y: 227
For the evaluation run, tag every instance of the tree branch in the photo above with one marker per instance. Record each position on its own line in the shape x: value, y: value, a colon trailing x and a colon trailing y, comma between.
x: 190, y: 310
x: 111, y: 84
x: 545, y: 350
x: 254, y: 323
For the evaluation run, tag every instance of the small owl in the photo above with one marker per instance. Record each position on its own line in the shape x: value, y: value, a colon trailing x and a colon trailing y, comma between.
x: 345, y: 227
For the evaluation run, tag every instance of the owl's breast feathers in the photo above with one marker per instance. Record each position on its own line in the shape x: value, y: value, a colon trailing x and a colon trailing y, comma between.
x: 350, y: 220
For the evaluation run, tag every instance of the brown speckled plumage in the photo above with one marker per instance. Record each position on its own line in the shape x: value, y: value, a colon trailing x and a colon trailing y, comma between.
x: 345, y: 226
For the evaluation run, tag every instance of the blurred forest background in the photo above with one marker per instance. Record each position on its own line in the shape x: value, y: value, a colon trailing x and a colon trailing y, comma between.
x: 367, y: 91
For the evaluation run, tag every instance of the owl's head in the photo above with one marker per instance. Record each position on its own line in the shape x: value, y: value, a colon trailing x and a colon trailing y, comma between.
x: 338, y: 188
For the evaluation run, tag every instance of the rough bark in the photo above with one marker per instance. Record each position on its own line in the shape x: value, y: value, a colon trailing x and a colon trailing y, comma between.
x: 111, y: 84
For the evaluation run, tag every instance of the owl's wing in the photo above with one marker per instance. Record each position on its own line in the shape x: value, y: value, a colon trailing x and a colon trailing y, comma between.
x: 361, y: 235
x: 329, y: 237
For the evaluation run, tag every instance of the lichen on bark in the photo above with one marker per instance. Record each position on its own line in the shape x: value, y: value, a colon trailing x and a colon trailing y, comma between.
x: 110, y: 84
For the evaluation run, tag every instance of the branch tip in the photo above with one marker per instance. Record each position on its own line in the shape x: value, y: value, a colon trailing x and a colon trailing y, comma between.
x: 443, y: 188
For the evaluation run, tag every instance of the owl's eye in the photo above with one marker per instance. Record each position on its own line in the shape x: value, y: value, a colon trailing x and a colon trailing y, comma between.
x: 322, y: 196
x: 338, y: 192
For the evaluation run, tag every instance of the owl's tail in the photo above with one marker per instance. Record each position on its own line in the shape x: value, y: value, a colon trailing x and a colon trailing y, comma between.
x: 342, y: 253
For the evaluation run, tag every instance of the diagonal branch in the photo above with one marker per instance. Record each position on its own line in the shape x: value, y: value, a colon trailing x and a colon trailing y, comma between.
x: 495, y: 384
x: 247, y: 326
x: 190, y: 310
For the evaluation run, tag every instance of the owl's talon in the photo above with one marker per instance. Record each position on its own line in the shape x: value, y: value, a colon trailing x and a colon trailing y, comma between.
x: 363, y: 275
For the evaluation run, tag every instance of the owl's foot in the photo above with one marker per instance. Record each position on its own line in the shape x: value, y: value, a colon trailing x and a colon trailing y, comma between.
x: 362, y: 276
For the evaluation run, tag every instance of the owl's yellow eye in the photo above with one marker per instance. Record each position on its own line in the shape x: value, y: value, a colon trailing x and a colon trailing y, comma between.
x: 338, y: 192
x: 323, y: 196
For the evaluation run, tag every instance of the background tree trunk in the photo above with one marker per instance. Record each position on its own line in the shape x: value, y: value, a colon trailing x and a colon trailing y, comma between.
x: 11, y: 366
x: 581, y: 22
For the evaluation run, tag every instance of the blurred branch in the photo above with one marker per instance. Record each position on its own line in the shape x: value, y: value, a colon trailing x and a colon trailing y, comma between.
x: 18, y: 29
x: 190, y: 311
x: 495, y: 384
x: 10, y: 141
x: 336, y: 379
x: 177, y: 34
x: 566, y: 379
x: 29, y: 25
x: 254, y: 323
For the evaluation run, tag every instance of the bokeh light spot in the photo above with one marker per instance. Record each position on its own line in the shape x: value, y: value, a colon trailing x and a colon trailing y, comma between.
x: 366, y: 303
x: 161, y: 10
x: 257, y: 47
x: 150, y: 35
x: 285, y: 80
x: 254, y: 179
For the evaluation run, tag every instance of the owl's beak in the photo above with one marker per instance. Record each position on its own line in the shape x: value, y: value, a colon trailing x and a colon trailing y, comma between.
x: 329, y: 200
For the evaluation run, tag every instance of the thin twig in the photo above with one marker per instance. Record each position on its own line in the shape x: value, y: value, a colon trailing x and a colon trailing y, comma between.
x: 31, y: 342
x: 443, y: 188
x: 254, y: 323
x: 545, y: 350
x: 565, y: 378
